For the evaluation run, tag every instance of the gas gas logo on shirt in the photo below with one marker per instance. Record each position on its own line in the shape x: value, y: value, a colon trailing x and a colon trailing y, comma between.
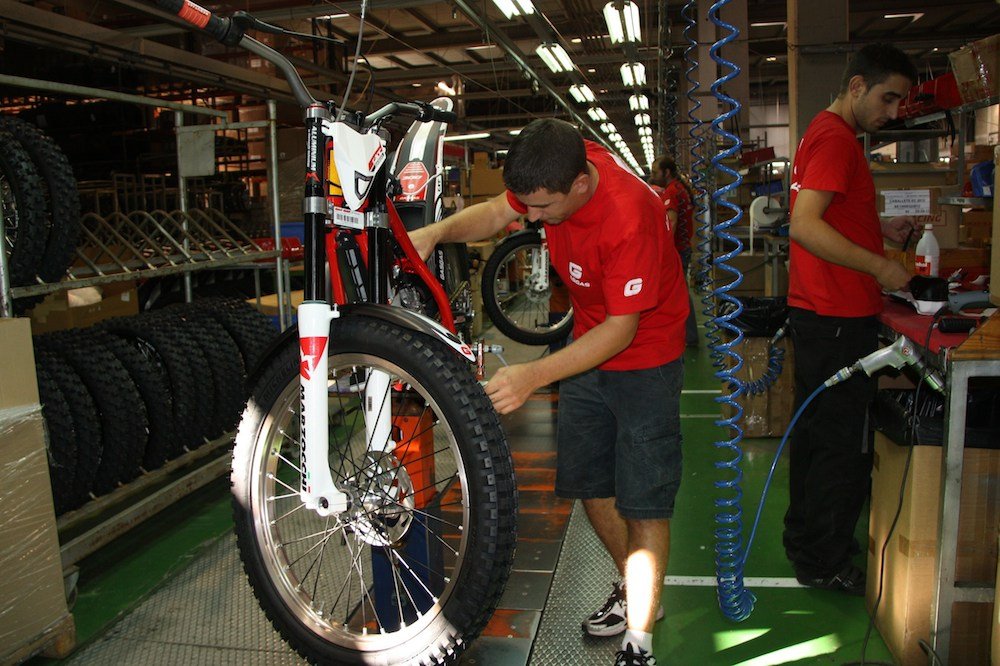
x: 633, y: 286
x: 576, y: 275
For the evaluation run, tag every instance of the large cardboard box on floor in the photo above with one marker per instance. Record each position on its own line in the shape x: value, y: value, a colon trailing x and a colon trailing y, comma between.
x: 33, y: 614
x: 903, y: 616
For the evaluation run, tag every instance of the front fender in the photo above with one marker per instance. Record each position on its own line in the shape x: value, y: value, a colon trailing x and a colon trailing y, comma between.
x: 388, y: 313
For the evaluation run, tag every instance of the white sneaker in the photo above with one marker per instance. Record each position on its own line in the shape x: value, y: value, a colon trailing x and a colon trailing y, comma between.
x: 610, y: 619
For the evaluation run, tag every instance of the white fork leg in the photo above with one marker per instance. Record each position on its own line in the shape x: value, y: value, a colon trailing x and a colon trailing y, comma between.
x: 378, y: 412
x: 317, y: 489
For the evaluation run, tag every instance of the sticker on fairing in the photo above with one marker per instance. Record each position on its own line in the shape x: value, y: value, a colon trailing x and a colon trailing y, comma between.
x: 413, y: 179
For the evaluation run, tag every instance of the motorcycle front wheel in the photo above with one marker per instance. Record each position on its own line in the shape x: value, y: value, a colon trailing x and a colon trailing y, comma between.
x: 413, y: 569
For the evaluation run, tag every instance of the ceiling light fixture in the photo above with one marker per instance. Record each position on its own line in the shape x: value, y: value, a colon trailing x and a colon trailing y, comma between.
x: 768, y: 24
x: 597, y: 114
x: 515, y: 132
x: 581, y: 93
x: 623, y: 21
x: 771, y: 58
x: 638, y: 103
x: 445, y: 88
x: 555, y: 56
x: 512, y: 8
x: 608, y: 128
x: 633, y: 74
x: 467, y: 137
x: 642, y: 119
x: 645, y: 131
x: 913, y: 16
x: 615, y: 137
x: 332, y: 17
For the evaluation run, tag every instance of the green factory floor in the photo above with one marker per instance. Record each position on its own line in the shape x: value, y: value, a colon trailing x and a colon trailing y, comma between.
x: 789, y: 624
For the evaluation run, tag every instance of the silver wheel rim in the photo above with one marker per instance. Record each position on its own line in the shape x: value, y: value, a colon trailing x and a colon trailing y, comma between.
x: 330, y: 573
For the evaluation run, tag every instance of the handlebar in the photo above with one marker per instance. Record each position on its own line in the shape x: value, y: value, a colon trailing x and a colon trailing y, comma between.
x: 419, y: 110
x: 199, y: 17
x: 231, y: 31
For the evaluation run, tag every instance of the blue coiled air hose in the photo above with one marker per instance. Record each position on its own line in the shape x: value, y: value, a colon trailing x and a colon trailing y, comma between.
x: 735, y: 601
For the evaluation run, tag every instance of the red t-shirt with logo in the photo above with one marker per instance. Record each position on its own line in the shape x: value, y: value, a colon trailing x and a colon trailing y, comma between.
x: 675, y: 197
x: 616, y: 258
x: 829, y: 158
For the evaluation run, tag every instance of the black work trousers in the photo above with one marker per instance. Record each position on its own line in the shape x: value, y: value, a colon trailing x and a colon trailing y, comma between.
x: 830, y: 457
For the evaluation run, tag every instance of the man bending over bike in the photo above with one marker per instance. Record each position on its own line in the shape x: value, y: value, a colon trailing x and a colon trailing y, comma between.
x: 619, y: 440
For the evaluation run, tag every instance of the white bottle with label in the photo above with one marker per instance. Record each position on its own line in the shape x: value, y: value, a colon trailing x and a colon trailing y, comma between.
x: 928, y: 254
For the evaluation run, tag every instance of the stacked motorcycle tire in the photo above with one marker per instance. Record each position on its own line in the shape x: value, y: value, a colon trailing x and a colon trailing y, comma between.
x: 41, y: 209
x: 124, y: 397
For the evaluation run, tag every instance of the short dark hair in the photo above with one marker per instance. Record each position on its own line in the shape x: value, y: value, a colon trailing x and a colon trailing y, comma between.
x: 876, y: 63
x: 666, y: 164
x: 549, y: 154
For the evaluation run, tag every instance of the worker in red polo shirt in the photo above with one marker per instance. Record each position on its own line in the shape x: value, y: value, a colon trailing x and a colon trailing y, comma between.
x: 619, y: 442
x: 666, y: 181
x: 836, y: 275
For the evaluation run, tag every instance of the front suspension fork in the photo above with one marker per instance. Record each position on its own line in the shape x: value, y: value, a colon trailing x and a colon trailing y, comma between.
x: 317, y: 490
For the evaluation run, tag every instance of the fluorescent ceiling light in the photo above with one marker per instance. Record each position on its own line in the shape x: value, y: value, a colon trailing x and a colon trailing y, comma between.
x: 333, y: 17
x: 772, y: 58
x: 597, y: 114
x: 767, y: 24
x: 913, y: 16
x: 512, y: 8
x: 416, y: 85
x: 641, y: 119
x: 615, y: 136
x: 581, y: 93
x: 591, y: 70
x: 555, y: 56
x: 445, y: 88
x: 576, y: 40
x: 515, y: 132
x: 638, y: 102
x: 608, y: 128
x: 483, y: 47
x: 623, y: 21
x: 634, y: 74
x: 645, y: 131
x: 467, y: 137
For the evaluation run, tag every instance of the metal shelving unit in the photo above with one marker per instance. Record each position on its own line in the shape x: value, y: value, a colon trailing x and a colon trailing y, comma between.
x: 141, y: 245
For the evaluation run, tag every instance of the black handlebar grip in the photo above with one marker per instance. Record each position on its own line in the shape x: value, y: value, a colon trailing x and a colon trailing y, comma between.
x: 444, y: 116
x: 197, y: 16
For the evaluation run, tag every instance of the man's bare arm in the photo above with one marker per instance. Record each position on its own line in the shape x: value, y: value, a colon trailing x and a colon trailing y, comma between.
x: 469, y: 224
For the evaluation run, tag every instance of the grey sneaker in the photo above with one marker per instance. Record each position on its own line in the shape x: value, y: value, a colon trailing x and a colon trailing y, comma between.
x: 633, y: 656
x: 609, y: 619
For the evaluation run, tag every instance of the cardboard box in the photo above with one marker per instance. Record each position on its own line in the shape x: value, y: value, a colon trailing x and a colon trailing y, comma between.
x: 922, y: 204
x: 486, y: 182
x: 977, y: 68
x: 120, y: 299
x: 952, y: 259
x: 892, y: 176
x: 766, y: 414
x: 903, y: 616
x: 32, y: 598
x: 977, y: 228
x: 754, y: 269
x: 995, y: 642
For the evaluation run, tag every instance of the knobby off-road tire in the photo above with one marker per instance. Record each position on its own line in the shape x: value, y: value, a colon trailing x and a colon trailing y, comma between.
x: 86, y: 424
x: 23, y: 211
x: 516, y: 307
x: 61, y: 440
x: 415, y: 567
x: 61, y: 212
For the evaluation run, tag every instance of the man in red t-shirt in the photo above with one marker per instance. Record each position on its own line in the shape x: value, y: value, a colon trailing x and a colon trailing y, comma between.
x: 666, y: 181
x: 620, y: 377
x: 836, y: 273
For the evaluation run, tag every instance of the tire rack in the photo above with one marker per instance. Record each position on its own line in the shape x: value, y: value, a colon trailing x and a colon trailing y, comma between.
x: 140, y: 245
